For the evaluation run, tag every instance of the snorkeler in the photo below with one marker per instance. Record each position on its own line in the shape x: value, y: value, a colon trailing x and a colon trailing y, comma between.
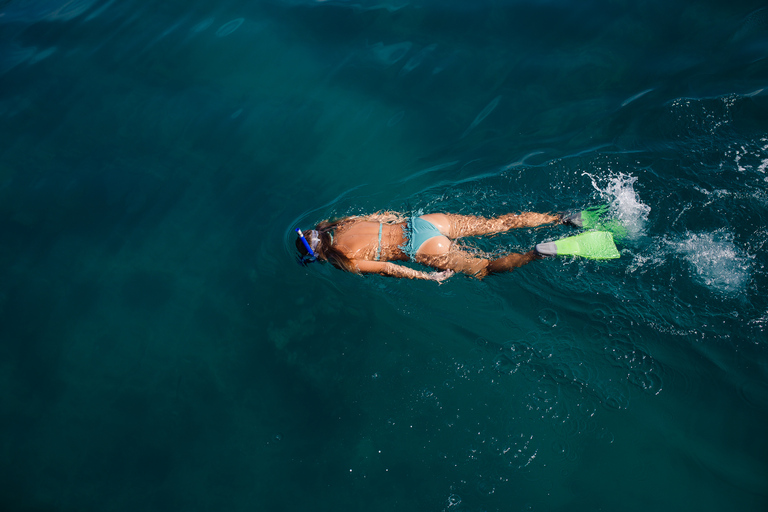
x: 370, y: 244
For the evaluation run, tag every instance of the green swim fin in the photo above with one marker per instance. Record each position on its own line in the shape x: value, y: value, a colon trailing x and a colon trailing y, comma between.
x: 615, y: 227
x: 587, y: 218
x: 595, y: 245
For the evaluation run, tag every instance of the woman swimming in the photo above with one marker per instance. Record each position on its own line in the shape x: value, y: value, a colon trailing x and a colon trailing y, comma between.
x: 370, y: 244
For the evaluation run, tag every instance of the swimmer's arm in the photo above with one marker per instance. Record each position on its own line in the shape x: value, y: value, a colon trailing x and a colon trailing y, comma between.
x: 387, y: 268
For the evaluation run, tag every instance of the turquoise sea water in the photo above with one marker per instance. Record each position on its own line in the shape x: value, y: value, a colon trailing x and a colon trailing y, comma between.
x: 160, y: 349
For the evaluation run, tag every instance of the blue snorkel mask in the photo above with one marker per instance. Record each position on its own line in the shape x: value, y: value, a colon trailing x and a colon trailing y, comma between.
x: 311, y: 245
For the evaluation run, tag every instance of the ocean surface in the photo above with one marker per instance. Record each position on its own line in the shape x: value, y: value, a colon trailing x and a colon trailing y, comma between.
x: 161, y: 349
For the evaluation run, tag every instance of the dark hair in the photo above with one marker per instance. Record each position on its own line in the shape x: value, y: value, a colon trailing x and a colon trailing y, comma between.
x: 325, y: 250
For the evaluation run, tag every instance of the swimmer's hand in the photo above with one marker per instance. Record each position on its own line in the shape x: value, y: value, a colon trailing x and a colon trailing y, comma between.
x: 441, y: 276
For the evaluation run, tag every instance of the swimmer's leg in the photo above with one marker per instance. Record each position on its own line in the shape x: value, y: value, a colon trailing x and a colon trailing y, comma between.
x: 457, y: 226
x: 456, y: 260
x: 462, y: 261
x: 512, y: 261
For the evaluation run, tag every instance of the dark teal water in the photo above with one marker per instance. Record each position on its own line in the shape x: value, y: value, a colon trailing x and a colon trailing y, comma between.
x: 160, y: 349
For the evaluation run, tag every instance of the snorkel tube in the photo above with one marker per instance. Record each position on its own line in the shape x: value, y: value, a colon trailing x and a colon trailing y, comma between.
x: 311, y: 256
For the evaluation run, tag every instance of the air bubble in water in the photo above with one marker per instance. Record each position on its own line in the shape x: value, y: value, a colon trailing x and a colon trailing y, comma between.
x: 719, y: 264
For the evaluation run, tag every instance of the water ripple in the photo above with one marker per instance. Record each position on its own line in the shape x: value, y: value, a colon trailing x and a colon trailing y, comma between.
x: 229, y: 27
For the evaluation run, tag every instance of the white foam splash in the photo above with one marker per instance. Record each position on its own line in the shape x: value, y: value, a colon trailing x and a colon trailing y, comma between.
x: 624, y: 203
x: 747, y: 157
x: 719, y: 264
